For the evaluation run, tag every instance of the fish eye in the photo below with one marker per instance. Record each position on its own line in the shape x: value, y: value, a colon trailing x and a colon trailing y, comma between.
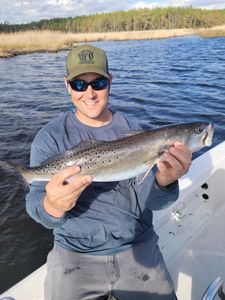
x: 198, y: 130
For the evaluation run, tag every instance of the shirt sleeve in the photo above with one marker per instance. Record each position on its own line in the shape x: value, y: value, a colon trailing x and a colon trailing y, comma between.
x: 42, y: 148
x: 35, y: 207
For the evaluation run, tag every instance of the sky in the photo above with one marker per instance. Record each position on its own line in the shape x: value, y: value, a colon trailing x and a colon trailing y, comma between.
x: 25, y: 11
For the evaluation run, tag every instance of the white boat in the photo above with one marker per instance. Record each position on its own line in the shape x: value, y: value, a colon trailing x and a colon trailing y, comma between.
x: 191, y: 235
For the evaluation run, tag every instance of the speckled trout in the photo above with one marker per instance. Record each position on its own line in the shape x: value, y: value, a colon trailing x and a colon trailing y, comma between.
x: 124, y: 158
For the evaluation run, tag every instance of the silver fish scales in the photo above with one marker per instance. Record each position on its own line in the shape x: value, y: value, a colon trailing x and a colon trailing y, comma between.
x: 128, y: 157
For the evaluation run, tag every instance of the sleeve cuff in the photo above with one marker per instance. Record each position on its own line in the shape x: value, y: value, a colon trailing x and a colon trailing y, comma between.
x: 48, y: 220
x: 162, y: 197
x: 166, y: 188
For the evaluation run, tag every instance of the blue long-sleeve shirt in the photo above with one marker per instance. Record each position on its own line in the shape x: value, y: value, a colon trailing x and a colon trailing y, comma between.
x: 108, y: 217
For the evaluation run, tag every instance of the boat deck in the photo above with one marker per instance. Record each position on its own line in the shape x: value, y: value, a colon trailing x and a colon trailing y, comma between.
x: 192, y: 230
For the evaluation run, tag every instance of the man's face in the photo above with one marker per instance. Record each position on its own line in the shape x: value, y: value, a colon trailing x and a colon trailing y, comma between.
x: 91, y: 104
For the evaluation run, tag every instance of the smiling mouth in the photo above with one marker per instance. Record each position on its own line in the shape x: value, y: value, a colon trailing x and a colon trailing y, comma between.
x: 90, y: 102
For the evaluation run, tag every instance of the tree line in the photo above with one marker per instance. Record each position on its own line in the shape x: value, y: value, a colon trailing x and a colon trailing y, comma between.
x: 131, y: 20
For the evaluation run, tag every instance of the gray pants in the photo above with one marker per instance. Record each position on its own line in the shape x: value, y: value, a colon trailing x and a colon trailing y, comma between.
x: 138, y: 273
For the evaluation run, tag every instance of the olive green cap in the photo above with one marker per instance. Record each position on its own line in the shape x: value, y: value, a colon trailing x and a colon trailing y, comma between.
x: 86, y: 59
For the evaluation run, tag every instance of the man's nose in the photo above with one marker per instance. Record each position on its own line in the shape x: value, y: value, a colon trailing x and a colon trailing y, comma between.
x: 90, y: 91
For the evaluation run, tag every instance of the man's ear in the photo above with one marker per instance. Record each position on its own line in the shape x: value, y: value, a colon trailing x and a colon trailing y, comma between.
x: 67, y: 85
x: 65, y: 82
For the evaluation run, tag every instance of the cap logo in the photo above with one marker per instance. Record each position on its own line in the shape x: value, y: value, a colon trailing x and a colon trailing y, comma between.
x: 86, y: 57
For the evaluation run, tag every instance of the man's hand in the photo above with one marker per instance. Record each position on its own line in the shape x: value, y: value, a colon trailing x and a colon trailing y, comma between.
x: 61, y: 197
x: 175, y: 163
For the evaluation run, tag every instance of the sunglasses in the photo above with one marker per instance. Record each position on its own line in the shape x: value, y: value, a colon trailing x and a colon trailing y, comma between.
x: 98, y: 84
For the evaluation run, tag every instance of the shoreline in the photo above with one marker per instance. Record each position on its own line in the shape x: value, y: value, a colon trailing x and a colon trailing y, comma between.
x: 19, y: 43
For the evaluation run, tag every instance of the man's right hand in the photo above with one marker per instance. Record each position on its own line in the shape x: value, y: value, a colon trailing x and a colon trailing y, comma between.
x: 61, y: 197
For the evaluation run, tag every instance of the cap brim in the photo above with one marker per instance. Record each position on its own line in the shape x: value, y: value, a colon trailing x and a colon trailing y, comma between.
x: 87, y: 69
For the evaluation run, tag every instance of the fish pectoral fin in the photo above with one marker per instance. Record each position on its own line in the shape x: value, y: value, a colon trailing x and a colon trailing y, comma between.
x: 141, y: 178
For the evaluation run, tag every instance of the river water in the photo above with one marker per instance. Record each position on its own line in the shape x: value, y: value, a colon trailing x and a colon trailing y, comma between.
x: 160, y: 82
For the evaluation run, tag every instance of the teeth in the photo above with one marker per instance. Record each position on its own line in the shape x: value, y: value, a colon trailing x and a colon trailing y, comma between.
x: 90, y: 102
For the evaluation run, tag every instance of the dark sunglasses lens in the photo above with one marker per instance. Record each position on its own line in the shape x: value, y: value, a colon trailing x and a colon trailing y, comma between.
x: 99, y: 84
x: 78, y: 85
x: 81, y: 85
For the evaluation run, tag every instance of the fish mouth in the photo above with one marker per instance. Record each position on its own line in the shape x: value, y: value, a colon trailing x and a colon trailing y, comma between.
x: 207, y: 137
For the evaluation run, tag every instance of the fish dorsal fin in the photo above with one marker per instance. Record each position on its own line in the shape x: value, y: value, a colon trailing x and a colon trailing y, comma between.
x: 86, y: 144
x: 133, y: 132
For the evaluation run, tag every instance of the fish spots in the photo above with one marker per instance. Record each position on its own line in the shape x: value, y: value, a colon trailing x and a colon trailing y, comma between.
x: 44, y: 171
x: 55, y: 164
x: 68, y: 271
x: 128, y: 143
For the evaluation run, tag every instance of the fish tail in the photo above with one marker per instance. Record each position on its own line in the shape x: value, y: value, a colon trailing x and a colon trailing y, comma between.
x: 20, y: 171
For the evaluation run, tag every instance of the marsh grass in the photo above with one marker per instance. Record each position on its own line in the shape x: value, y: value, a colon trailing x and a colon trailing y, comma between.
x: 33, y: 41
x: 217, y: 31
x: 12, y: 44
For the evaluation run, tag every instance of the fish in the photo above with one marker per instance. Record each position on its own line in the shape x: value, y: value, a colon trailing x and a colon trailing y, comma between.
x: 132, y: 155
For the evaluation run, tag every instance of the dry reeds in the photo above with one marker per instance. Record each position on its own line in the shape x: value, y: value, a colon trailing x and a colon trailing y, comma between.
x: 217, y: 31
x: 37, y: 41
x: 32, y: 41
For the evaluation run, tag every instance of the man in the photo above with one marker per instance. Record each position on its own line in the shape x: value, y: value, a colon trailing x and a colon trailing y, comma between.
x: 104, y: 241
